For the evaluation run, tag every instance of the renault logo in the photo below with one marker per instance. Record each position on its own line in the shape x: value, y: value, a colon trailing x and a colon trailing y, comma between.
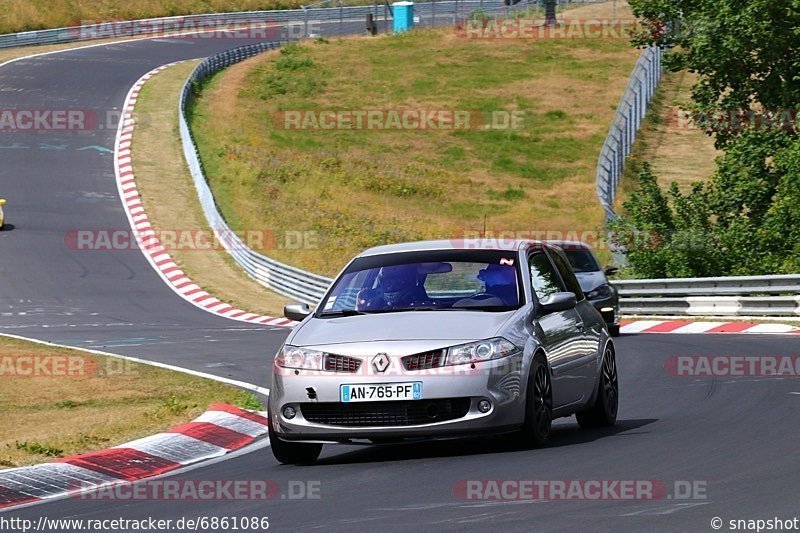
x: 381, y: 362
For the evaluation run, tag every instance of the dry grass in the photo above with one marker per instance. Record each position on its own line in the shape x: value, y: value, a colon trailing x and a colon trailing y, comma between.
x: 170, y: 198
x: 676, y: 153
x: 618, y: 8
x: 358, y: 188
x: 107, y: 402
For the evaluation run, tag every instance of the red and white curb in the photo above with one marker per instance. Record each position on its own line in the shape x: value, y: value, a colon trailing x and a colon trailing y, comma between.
x: 151, y: 247
x: 220, y: 430
x: 690, y: 326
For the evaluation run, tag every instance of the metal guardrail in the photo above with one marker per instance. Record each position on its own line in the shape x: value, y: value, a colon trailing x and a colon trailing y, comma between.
x: 721, y: 296
x: 631, y: 110
x: 285, y: 279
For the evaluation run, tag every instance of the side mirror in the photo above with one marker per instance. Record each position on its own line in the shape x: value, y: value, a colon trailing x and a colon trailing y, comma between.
x: 610, y: 270
x: 296, y: 312
x: 559, y: 301
x: 2, y: 202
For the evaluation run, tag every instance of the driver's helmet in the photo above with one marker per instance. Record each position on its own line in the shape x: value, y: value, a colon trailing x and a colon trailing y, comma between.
x: 501, y: 281
x: 397, y: 281
x: 494, y: 275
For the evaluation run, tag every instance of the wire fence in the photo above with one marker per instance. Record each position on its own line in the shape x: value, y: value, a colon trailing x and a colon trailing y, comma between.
x: 631, y: 110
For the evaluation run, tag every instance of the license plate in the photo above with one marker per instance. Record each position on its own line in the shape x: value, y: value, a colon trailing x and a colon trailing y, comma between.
x: 381, y: 392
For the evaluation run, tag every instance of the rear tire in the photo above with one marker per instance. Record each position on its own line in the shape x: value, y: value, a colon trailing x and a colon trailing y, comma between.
x: 604, y: 411
x: 538, y: 406
x: 293, y: 453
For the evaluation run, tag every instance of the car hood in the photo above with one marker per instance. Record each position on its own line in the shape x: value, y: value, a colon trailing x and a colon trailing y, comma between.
x: 459, y: 326
x: 591, y: 280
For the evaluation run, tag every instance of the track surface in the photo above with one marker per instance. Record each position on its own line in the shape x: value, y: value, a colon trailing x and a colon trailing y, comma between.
x: 738, y: 436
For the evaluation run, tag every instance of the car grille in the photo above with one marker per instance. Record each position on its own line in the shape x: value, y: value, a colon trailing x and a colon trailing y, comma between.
x: 397, y: 413
x: 341, y: 363
x: 424, y: 361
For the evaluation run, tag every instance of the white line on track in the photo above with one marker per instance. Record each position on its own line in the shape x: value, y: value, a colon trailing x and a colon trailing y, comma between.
x: 236, y: 383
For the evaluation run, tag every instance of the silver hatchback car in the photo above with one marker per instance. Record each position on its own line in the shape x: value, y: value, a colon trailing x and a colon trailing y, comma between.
x: 441, y: 339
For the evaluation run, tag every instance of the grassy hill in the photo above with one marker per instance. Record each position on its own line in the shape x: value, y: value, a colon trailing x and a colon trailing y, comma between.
x: 358, y: 187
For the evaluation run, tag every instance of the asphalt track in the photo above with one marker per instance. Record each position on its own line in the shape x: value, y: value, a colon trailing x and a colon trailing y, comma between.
x: 739, y: 437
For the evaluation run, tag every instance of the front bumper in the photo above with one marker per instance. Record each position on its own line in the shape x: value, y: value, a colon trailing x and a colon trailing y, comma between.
x: 499, y: 382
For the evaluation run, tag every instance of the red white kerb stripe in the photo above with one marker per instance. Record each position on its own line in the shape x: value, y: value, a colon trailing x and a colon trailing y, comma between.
x: 220, y: 430
x: 153, y: 250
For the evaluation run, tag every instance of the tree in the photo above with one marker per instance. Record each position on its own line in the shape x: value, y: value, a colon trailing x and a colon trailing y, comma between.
x: 746, y: 52
x: 746, y: 219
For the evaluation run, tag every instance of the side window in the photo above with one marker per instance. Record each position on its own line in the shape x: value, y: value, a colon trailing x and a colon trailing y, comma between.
x: 543, y: 277
x: 567, y: 275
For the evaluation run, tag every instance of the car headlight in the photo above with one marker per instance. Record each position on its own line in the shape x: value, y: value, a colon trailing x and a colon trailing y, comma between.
x: 301, y: 358
x: 480, y: 351
x: 603, y: 291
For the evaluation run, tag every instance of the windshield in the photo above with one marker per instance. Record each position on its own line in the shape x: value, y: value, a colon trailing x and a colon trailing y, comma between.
x: 582, y: 260
x: 477, y: 280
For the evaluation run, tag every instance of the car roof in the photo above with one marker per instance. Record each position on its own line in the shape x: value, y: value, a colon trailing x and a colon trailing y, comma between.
x: 571, y: 244
x: 450, y: 244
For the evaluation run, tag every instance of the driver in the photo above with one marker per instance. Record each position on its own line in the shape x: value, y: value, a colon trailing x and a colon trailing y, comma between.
x: 397, y: 288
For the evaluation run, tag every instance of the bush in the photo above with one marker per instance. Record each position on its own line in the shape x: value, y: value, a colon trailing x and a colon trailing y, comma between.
x: 744, y: 221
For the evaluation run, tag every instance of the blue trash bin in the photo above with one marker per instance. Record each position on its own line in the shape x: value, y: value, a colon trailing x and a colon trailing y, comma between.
x: 403, y: 16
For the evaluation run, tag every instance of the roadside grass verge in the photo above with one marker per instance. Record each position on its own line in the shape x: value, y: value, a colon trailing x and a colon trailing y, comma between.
x: 75, y: 402
x: 355, y: 188
x: 170, y: 198
x: 675, y: 151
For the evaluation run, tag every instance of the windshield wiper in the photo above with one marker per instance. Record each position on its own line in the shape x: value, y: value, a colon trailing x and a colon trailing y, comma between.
x: 343, y: 312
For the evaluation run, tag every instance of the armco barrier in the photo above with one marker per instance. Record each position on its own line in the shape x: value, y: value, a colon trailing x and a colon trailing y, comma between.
x: 282, y: 278
x: 777, y: 296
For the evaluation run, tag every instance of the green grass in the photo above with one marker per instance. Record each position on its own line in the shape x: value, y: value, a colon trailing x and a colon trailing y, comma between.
x: 113, y: 402
x: 358, y: 188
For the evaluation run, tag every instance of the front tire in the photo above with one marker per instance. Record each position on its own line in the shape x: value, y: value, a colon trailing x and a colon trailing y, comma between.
x: 293, y: 453
x: 538, y: 406
x: 613, y: 330
x: 604, y: 411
